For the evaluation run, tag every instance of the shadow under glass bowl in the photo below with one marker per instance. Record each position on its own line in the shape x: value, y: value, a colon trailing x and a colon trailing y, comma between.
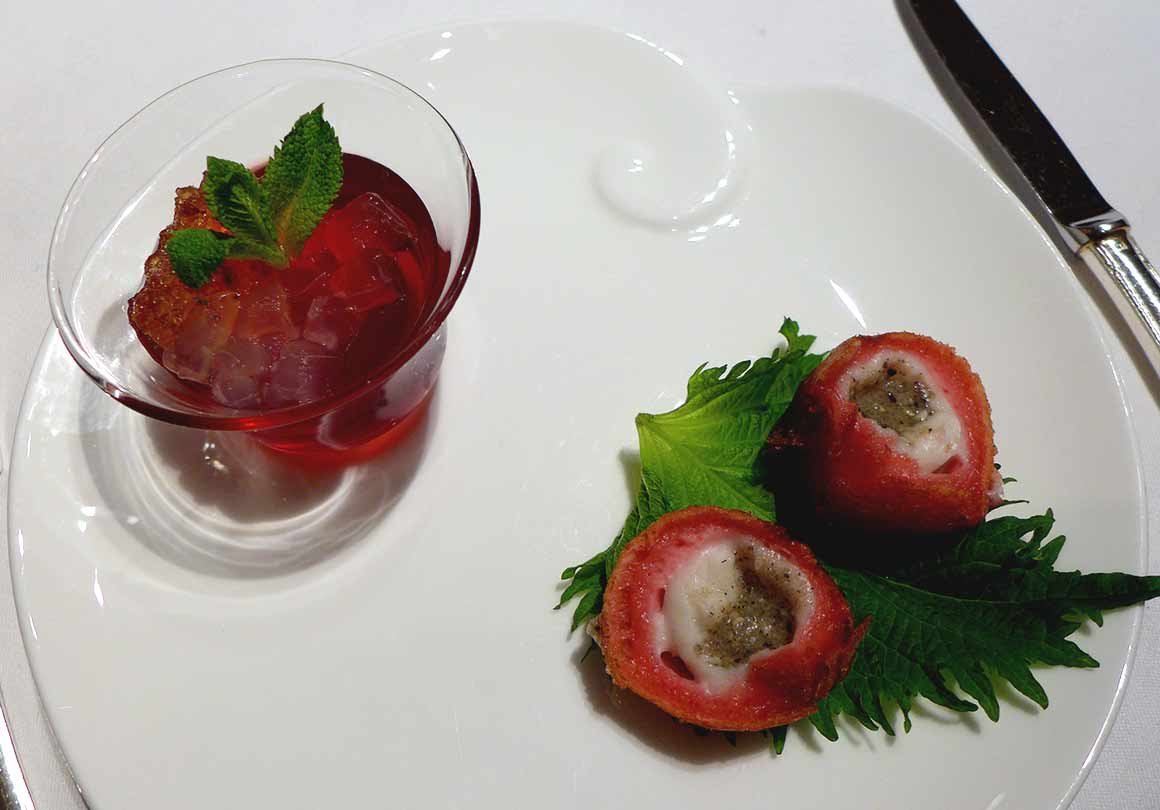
x: 123, y: 197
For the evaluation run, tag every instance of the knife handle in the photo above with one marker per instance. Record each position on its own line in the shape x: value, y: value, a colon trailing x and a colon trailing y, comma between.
x: 1120, y: 264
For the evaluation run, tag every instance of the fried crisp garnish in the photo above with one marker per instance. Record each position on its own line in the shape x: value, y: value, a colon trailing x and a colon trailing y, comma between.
x: 163, y: 303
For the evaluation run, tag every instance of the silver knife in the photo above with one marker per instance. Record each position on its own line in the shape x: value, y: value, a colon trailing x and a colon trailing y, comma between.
x: 1090, y: 227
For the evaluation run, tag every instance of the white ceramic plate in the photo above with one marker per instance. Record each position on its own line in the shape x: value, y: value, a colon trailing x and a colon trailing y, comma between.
x: 638, y: 220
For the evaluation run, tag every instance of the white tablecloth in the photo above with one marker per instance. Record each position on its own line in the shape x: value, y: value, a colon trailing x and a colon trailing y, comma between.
x: 69, y: 74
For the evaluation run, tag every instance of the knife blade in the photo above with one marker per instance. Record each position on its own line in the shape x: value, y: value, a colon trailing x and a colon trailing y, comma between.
x: 1095, y: 230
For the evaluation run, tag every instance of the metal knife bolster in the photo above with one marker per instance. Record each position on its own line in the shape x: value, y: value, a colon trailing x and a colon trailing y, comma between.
x: 1131, y: 283
x: 1106, y: 245
x: 1079, y: 233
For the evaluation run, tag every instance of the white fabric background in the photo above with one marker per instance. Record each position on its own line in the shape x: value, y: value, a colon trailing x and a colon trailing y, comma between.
x: 69, y: 74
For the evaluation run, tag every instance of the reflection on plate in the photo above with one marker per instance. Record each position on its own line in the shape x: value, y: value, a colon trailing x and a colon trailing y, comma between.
x: 222, y: 504
x: 419, y: 662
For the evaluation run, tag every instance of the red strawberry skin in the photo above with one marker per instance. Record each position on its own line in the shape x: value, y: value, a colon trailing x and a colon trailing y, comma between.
x: 857, y: 480
x: 779, y: 687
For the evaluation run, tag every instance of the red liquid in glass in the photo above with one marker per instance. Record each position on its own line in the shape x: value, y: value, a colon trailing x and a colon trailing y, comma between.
x: 261, y: 339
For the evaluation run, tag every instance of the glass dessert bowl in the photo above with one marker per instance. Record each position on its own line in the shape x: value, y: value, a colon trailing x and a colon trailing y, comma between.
x: 327, y: 343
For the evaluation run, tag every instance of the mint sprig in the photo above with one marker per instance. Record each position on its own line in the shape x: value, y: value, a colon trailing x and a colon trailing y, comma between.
x: 983, y: 608
x: 271, y: 218
x: 303, y: 178
x: 195, y: 253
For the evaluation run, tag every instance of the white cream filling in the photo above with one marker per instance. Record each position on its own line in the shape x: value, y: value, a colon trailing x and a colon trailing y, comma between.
x: 705, y: 588
x: 931, y: 443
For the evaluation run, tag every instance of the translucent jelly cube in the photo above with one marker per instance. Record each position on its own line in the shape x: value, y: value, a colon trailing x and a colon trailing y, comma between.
x: 368, y: 222
x: 238, y: 372
x: 304, y: 371
x: 202, y: 333
x: 370, y: 282
x: 265, y: 310
x: 331, y: 322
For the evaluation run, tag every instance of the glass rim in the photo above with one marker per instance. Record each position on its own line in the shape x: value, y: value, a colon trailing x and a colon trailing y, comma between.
x: 234, y: 419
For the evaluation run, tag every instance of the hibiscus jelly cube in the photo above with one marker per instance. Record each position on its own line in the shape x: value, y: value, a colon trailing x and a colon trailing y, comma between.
x: 266, y: 311
x: 308, y: 276
x: 372, y: 282
x: 367, y: 222
x: 205, y: 330
x: 331, y: 322
x: 237, y: 372
x: 305, y: 371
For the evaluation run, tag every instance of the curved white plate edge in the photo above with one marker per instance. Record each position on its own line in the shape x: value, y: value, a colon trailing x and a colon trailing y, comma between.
x: 1102, y: 329
x: 1093, y: 315
x: 51, y: 336
x: 971, y: 154
x: 497, y: 20
x: 705, y: 75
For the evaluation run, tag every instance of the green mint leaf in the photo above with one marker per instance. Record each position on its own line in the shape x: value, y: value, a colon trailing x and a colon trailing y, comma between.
x: 239, y: 202
x: 245, y: 249
x: 703, y: 453
x: 195, y: 253
x: 302, y: 179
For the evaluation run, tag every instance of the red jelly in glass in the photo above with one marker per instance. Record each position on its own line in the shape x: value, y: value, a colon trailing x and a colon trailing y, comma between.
x: 262, y: 339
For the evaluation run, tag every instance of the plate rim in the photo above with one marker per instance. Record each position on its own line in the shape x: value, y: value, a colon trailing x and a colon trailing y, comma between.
x: 1092, y: 313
